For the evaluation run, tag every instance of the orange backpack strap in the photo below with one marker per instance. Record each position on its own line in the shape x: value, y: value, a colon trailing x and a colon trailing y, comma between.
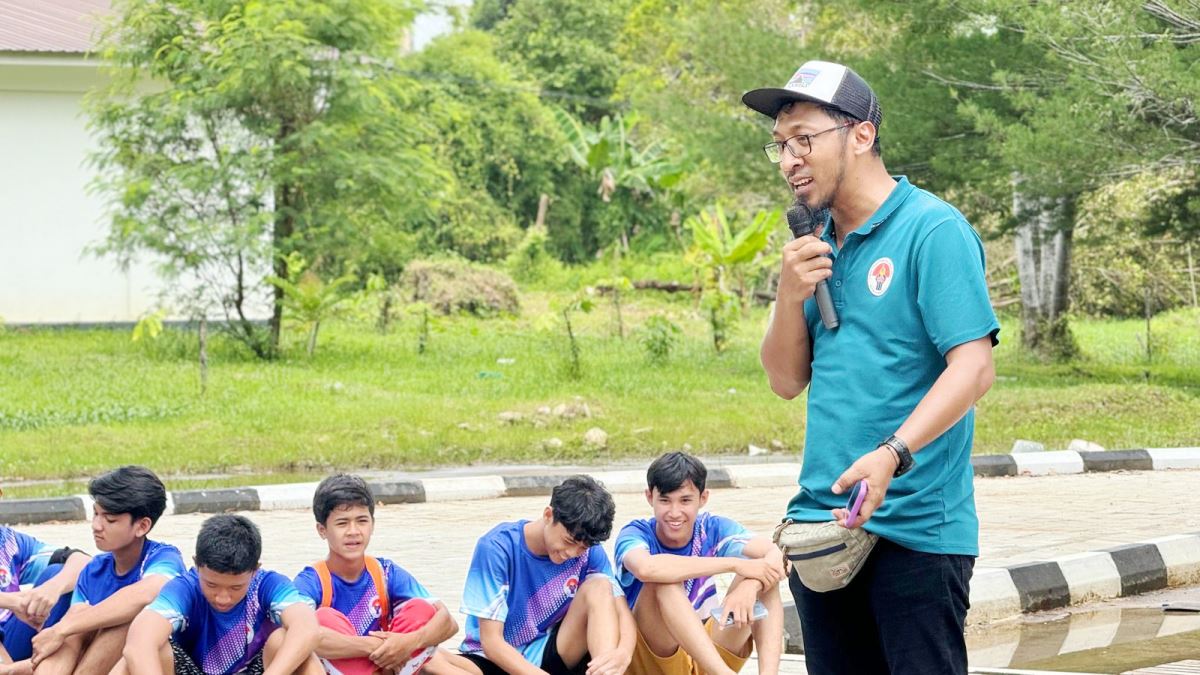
x: 385, y: 605
x: 322, y: 570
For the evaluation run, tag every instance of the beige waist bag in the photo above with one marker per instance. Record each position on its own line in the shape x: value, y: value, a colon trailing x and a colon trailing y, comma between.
x: 826, y: 556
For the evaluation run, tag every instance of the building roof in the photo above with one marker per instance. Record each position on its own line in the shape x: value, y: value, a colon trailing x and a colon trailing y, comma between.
x: 67, y: 26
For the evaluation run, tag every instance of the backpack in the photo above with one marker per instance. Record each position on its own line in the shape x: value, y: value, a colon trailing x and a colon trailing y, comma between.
x: 376, y: 572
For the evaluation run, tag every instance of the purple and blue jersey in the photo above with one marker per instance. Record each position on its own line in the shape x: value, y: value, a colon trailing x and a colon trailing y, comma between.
x: 359, y: 600
x: 22, y: 560
x: 99, y: 579
x: 712, y: 537
x: 225, y: 642
x: 529, y: 593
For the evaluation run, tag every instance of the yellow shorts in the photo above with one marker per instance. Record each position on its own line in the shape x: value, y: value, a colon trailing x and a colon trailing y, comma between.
x: 646, y: 662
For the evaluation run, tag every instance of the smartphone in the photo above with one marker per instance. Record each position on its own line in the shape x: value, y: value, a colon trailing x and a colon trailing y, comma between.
x: 759, y: 612
x: 858, y: 494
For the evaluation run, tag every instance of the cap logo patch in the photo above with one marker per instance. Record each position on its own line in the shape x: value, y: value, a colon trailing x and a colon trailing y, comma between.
x: 879, y: 276
x: 803, y: 78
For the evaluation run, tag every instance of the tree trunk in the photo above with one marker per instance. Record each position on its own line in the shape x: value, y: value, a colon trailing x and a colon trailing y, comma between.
x: 1043, y: 247
x: 285, y: 226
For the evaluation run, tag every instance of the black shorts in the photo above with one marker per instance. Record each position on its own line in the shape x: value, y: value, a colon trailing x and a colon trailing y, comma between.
x: 551, y: 661
x: 186, y: 665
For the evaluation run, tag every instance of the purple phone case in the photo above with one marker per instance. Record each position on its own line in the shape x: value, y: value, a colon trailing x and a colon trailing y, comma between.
x: 858, y: 502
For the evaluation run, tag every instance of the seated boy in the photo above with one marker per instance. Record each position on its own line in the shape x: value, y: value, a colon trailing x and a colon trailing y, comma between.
x: 225, y: 615
x: 50, y: 575
x: 665, y: 565
x: 540, y: 595
x: 116, y: 584
x: 374, y: 616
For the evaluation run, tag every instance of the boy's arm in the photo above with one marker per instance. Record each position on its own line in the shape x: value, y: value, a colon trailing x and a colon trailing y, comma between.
x: 147, y: 634
x: 397, y: 647
x: 41, y: 599
x: 665, y: 568
x: 334, y: 645
x: 303, y: 634
x: 498, y: 651
x: 119, y: 608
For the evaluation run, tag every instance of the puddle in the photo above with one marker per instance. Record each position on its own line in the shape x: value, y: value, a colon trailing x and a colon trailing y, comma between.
x: 1108, y: 640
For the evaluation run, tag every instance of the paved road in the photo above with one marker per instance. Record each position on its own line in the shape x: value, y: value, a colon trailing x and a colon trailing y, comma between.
x: 1023, y: 519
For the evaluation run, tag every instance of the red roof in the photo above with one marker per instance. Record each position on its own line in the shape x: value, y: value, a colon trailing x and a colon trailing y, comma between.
x: 50, y: 25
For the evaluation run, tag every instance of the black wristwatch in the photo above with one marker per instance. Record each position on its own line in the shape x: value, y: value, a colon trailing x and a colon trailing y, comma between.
x: 903, y: 456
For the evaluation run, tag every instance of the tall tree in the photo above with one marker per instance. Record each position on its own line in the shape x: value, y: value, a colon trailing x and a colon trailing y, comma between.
x: 238, y: 131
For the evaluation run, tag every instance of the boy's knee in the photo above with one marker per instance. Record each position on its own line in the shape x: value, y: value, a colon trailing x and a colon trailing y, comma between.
x: 595, y: 587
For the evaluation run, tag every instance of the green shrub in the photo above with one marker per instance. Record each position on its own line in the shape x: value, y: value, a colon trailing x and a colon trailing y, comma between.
x: 454, y: 286
x: 659, y: 337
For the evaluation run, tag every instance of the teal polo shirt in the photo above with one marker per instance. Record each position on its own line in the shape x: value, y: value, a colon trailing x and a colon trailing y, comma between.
x: 909, y: 286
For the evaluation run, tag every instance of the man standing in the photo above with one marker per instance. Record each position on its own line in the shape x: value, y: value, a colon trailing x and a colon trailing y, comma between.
x: 891, y: 389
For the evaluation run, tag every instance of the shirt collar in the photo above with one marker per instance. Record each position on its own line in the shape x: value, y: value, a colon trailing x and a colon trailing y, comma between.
x: 897, y: 196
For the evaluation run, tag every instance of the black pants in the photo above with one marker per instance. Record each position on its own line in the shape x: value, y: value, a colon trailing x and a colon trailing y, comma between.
x: 904, y: 613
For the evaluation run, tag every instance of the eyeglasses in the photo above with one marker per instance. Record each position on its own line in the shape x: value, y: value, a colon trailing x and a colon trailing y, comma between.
x: 799, y: 145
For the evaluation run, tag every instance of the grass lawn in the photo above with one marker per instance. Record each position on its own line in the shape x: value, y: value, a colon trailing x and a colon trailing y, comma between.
x: 73, y: 403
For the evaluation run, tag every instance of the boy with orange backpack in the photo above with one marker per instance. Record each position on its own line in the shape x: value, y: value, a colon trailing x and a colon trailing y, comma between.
x: 375, y: 617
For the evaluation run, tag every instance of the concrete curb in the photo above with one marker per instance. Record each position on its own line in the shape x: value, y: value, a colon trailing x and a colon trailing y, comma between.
x: 770, y: 474
x: 1003, y: 592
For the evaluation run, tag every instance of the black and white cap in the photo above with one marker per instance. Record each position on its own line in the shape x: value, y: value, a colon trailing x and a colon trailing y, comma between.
x: 830, y: 84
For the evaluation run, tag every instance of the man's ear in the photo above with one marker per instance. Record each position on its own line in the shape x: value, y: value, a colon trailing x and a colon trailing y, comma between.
x: 548, y: 515
x: 864, y: 137
x: 650, y: 496
x: 321, y: 530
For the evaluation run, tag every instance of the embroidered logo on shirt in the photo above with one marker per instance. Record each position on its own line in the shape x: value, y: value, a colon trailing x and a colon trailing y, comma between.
x: 570, y: 586
x: 879, y: 276
x: 376, y: 608
x: 5, y: 577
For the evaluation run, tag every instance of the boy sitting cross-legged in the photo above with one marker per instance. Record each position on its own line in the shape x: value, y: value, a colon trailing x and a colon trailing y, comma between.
x: 665, y: 565
x: 540, y: 595
x: 375, y: 617
x: 226, y: 615
x: 116, y: 584
x: 50, y: 575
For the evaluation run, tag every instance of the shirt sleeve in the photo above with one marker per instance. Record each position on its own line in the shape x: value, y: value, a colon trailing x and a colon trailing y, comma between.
x: 80, y: 595
x: 164, y: 560
x: 598, y: 563
x: 309, y: 585
x: 952, y: 293
x: 32, y: 557
x: 730, y: 535
x: 277, y: 593
x: 403, y: 586
x: 174, y: 603
x: 485, y: 594
x: 630, y: 538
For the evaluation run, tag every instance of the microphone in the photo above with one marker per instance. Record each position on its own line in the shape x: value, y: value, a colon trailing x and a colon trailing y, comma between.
x: 802, y: 220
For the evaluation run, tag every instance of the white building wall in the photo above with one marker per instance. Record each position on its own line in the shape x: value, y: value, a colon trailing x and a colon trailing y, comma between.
x: 48, y: 218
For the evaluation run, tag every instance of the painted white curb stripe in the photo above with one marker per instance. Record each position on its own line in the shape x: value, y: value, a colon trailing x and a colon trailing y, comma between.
x: 286, y: 496
x: 1174, y: 458
x: 1048, y: 463
x: 762, y: 475
x: 1090, y: 576
x: 475, y: 487
x: 1181, y: 556
x: 993, y: 595
x: 622, y: 481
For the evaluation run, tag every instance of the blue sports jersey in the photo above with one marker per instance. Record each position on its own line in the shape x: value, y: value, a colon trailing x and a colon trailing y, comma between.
x: 22, y: 559
x: 225, y: 642
x: 359, y: 600
x: 99, y: 579
x: 529, y: 593
x: 712, y: 537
